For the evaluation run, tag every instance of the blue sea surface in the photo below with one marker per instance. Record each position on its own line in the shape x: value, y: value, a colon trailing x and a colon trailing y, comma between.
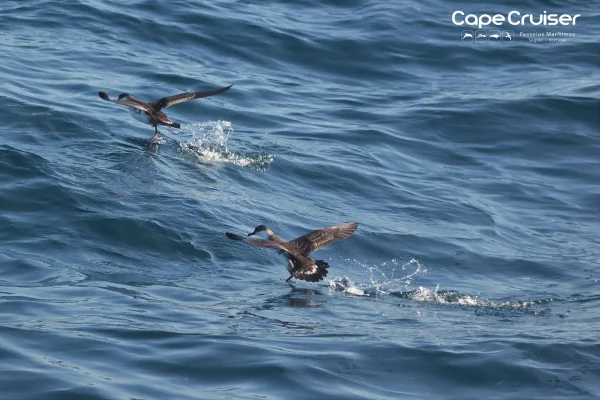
x: 472, y: 168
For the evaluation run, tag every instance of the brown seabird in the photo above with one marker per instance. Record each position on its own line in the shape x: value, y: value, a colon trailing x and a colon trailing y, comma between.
x: 150, y: 113
x: 297, y: 251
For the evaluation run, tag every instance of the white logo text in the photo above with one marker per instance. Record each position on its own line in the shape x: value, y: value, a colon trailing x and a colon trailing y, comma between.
x: 513, y: 18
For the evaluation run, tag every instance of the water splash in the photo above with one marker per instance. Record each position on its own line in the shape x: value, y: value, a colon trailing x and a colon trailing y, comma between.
x: 451, y: 297
x: 386, y: 283
x: 344, y: 284
x: 209, y: 144
x: 396, y: 281
x: 381, y: 282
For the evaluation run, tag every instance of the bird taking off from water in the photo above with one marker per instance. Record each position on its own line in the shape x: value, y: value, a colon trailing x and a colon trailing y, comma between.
x: 151, y: 114
x: 297, y: 251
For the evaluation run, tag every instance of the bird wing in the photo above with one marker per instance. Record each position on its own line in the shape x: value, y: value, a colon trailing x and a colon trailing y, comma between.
x: 320, y: 238
x: 180, y: 98
x: 133, y: 102
x: 257, y: 242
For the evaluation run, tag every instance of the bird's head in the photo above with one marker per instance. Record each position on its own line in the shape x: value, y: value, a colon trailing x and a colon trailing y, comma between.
x: 260, y: 228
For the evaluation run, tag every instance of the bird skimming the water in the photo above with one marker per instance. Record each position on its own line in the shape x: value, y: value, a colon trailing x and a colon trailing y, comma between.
x: 297, y: 251
x: 150, y: 113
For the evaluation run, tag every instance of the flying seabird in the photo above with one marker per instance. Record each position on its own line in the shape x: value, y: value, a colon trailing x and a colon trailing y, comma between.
x: 297, y: 251
x: 150, y: 113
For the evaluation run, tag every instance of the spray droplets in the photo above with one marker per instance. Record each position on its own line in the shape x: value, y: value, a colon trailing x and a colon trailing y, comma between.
x: 210, y: 145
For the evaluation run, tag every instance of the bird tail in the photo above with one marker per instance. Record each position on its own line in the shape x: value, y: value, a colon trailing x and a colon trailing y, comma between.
x: 322, y: 267
x: 321, y: 272
x: 175, y: 125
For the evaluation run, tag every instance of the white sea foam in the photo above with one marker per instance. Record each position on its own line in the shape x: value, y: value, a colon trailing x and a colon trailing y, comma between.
x: 451, y: 297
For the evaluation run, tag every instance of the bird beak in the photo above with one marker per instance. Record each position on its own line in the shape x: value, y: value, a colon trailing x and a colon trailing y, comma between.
x: 252, y: 233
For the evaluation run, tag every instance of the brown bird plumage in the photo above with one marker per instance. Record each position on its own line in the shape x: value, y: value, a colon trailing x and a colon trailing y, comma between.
x: 297, y: 251
x: 151, y: 113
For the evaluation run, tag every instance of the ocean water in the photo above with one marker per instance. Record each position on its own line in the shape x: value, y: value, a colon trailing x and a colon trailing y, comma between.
x: 472, y: 168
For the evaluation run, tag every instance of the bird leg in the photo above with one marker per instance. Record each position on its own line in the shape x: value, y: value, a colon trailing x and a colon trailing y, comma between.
x: 288, y: 279
x: 154, y: 139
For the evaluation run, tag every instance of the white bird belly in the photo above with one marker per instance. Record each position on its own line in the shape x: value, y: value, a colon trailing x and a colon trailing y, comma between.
x: 140, y: 115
